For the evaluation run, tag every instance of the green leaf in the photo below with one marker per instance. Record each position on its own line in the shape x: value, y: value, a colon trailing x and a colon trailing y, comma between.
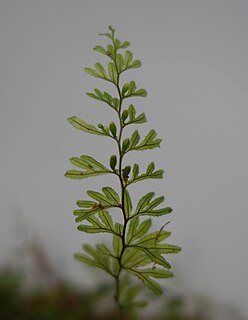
x: 125, y: 145
x: 117, y: 241
x: 124, y: 115
x: 154, y: 256
x: 143, y: 202
x: 150, y: 174
x: 100, y: 49
x: 153, y: 238
x: 99, y: 72
x: 111, y: 51
x: 113, y: 129
x: 103, y: 224
x: 91, y: 168
x: 134, y: 140
x: 119, y: 63
x: 135, y: 172
x: 84, y: 126
x: 125, y: 89
x: 85, y: 204
x: 135, y: 64
x: 130, y: 90
x: 124, y: 45
x: 133, y: 224
x: 87, y: 162
x: 113, y: 76
x: 148, y: 282
x: 113, y: 162
x: 109, y: 197
x: 157, y: 273
x: 106, y: 219
x: 149, y: 142
x: 128, y: 59
x: 146, y: 207
x: 125, y: 172
x: 132, y: 119
x: 84, y: 214
x: 127, y: 204
x: 112, y: 195
x: 94, y: 258
x: 113, y: 102
x: 134, y: 257
x: 142, y: 229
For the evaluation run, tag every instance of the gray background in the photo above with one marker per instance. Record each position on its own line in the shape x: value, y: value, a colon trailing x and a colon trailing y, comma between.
x: 194, y: 56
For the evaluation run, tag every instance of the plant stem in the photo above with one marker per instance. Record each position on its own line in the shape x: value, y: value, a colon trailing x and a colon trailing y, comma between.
x: 119, y: 139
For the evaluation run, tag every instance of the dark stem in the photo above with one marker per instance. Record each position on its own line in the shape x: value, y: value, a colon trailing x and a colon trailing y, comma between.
x: 119, y: 140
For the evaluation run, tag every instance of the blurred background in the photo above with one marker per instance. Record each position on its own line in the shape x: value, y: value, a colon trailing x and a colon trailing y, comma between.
x: 195, y: 68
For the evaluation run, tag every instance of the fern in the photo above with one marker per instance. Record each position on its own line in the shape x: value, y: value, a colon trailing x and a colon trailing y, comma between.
x: 136, y: 251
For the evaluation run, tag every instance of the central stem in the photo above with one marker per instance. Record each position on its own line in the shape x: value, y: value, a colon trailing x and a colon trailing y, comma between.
x: 122, y: 182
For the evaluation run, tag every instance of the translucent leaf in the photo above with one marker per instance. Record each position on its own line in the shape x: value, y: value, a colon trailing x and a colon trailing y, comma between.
x: 149, y: 142
x: 135, y: 258
x: 133, y: 224
x: 158, y: 174
x: 85, y: 203
x: 83, y: 214
x: 84, y: 126
x: 108, y: 198
x: 94, y: 258
x: 125, y: 145
x: 135, y: 64
x: 148, y: 282
x: 83, y: 258
x: 112, y: 72
x: 142, y: 229
x: 113, y: 102
x: 124, y: 45
x: 155, y: 256
x: 128, y: 59
x: 125, y: 89
x: 117, y: 241
x: 113, y: 162
x: 124, y: 115
x: 103, y: 224
x: 92, y: 72
x: 112, y: 195
x: 91, y: 168
x: 127, y: 203
x: 135, y: 171
x: 134, y: 140
x: 113, y: 129
x: 117, y: 43
x: 140, y: 93
x: 153, y: 238
x: 106, y: 219
x: 146, y: 207
x: 140, y: 119
x: 100, y: 49
x: 157, y: 273
x: 130, y: 90
x: 110, y: 51
x: 101, y: 70
x: 119, y: 62
x: 87, y: 162
x: 132, y: 118
x: 125, y: 172
x: 143, y: 202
